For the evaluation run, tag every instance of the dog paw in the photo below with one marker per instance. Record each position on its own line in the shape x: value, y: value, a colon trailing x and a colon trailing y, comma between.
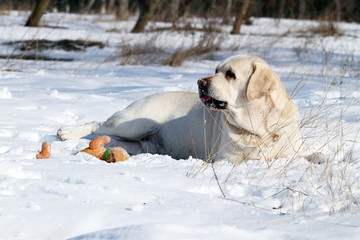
x: 317, y: 158
x: 67, y: 133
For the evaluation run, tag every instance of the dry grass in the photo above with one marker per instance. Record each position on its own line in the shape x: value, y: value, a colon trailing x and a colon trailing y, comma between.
x: 34, y: 49
x: 325, y: 29
x: 147, y: 52
x: 299, y: 187
x: 208, y: 44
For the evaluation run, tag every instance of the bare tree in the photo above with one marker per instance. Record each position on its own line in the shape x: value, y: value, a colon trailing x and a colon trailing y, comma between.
x: 227, y: 13
x: 171, y: 11
x: 239, y: 16
x: 338, y: 9
x: 123, y: 10
x: 147, y: 8
x: 183, y: 7
x: 75, y: 6
x: 88, y: 6
x: 36, y: 14
x: 110, y: 6
x: 302, y: 9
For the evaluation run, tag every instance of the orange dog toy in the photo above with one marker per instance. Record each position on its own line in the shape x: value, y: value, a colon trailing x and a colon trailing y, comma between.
x: 45, y: 151
x: 96, y: 149
x: 109, y: 155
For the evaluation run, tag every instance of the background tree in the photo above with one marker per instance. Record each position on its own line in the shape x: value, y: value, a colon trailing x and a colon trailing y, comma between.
x: 227, y: 12
x: 242, y: 9
x: 122, y: 12
x: 183, y: 6
x: 88, y: 6
x: 75, y: 6
x: 172, y: 10
x: 147, y: 8
x: 36, y: 14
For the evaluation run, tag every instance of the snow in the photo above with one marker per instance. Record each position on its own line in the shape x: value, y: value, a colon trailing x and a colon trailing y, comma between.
x: 5, y: 93
x: 156, y: 197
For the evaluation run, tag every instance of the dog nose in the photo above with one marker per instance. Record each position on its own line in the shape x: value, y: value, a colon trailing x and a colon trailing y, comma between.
x: 202, y: 83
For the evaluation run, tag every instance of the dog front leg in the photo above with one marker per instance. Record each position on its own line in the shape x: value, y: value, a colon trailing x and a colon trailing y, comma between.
x: 77, y: 132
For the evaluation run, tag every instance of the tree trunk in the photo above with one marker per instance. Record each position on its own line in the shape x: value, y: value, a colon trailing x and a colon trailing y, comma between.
x: 172, y: 12
x: 36, y: 14
x: 74, y: 6
x: 183, y: 7
x: 88, y: 6
x: 227, y: 13
x: 123, y: 10
x: 239, y: 17
x: 147, y: 8
x: 211, y: 9
x: 302, y: 9
x: 110, y: 6
x: 284, y: 5
x: 337, y: 10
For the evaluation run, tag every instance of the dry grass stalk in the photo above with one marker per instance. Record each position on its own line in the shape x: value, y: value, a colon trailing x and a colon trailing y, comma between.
x: 325, y: 29
x: 147, y: 51
x: 300, y: 184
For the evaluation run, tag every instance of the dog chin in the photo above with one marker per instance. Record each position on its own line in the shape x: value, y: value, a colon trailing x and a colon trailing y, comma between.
x: 213, y: 103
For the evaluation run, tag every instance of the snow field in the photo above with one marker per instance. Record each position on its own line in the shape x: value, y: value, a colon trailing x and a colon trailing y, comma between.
x: 156, y: 197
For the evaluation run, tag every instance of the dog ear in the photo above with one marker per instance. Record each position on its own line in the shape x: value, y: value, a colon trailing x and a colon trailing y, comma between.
x: 261, y: 82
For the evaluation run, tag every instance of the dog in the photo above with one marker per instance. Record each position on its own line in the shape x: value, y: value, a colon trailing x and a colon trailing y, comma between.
x: 240, y: 113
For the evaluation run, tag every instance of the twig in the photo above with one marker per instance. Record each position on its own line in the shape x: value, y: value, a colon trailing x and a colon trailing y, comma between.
x: 217, y: 180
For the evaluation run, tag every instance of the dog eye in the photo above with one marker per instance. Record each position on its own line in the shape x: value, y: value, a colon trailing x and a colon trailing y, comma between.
x: 230, y: 74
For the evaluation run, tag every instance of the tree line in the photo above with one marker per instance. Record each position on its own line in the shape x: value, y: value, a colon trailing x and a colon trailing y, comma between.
x: 172, y: 10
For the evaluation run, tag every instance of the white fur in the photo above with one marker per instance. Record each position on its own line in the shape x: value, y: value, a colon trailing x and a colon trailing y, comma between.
x: 178, y: 124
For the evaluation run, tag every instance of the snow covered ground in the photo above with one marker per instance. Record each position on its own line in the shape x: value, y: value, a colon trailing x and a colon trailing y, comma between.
x: 157, y: 197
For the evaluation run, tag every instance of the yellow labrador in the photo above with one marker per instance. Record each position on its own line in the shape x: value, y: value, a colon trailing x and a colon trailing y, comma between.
x: 242, y: 112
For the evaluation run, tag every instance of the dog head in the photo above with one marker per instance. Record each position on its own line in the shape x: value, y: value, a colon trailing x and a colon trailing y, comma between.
x: 247, y: 88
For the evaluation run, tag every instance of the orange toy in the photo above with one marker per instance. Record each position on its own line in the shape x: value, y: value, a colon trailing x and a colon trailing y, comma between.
x: 109, y: 155
x: 95, y: 149
x: 45, y: 151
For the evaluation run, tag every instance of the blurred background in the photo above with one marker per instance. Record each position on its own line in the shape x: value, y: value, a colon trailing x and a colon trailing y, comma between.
x: 172, y: 10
